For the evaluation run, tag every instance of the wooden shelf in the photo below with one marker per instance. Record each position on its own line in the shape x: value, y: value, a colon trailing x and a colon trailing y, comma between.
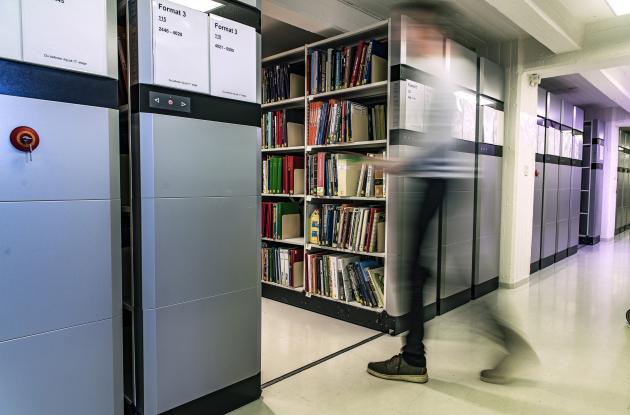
x: 292, y: 241
x: 359, y: 145
x: 286, y: 103
x: 363, y: 91
x: 275, y: 284
x: 282, y: 195
x: 353, y: 198
x: 295, y: 149
x: 348, y: 251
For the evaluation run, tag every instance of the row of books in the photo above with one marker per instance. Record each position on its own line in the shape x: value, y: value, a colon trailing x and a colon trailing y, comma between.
x: 332, y: 174
x: 359, y: 229
x: 282, y: 128
x: 281, y: 220
x: 333, y: 69
x: 342, y: 121
x: 283, y: 175
x: 280, y: 82
x: 346, y: 277
x: 283, y: 266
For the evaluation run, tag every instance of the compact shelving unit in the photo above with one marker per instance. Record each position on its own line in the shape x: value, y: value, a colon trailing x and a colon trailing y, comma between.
x: 371, y: 93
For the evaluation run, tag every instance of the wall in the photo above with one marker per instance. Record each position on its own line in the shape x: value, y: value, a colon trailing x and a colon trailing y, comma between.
x: 615, y: 118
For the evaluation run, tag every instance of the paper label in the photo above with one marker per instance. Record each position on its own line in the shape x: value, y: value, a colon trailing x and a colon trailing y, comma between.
x: 414, y: 106
x: 69, y: 34
x: 499, y: 128
x: 540, y: 149
x: 577, y: 147
x: 180, y: 47
x: 567, y: 144
x: 489, y: 119
x: 11, y: 44
x: 233, y: 67
x: 470, y: 117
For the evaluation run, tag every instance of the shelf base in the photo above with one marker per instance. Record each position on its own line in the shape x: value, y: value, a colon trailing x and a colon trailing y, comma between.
x: 572, y: 251
x: 224, y: 400
x: 375, y: 320
x: 534, y: 267
x: 546, y: 262
x: 486, y: 287
x: 589, y: 240
x: 450, y: 303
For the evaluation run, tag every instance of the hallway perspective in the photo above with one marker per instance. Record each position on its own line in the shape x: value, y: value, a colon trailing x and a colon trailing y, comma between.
x: 573, y: 313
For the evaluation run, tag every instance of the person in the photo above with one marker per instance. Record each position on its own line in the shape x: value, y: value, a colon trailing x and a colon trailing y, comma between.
x: 430, y: 168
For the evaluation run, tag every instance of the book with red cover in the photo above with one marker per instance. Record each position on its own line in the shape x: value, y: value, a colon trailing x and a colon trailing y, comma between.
x: 321, y: 173
x: 357, y: 63
x: 293, y: 162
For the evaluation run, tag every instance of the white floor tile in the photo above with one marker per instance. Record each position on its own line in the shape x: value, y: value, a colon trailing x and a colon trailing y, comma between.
x: 573, y: 313
x: 292, y: 338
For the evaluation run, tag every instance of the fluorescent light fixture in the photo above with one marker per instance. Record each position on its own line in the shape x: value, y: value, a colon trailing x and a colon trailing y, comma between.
x: 201, y: 5
x: 619, y: 7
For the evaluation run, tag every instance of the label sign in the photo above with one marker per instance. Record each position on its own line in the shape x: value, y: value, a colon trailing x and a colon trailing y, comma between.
x: 180, y: 47
x: 232, y: 59
x: 11, y: 44
x: 414, y: 106
x: 68, y: 34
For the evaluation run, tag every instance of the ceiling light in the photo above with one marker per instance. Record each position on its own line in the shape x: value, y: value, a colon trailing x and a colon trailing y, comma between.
x: 619, y: 7
x: 201, y: 5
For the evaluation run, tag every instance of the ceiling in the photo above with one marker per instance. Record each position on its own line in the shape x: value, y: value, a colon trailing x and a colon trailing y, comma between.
x: 588, y: 11
x: 476, y: 18
x: 278, y: 36
x: 578, y: 91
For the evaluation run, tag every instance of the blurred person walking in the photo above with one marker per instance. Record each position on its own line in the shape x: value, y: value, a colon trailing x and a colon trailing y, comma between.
x: 430, y: 168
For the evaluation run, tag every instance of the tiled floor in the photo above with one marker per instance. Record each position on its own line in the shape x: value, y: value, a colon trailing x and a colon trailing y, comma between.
x: 292, y: 338
x: 573, y: 314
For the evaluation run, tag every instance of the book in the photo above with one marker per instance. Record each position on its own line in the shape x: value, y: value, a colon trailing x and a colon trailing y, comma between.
x: 345, y: 67
x: 278, y: 222
x: 282, y: 81
x: 314, y: 227
x: 341, y: 121
x: 283, y: 266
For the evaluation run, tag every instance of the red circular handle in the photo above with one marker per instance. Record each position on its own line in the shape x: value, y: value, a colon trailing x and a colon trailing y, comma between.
x: 24, y: 139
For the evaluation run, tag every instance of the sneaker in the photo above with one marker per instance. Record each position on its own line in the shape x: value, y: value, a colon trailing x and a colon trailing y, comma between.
x: 494, y: 376
x: 397, y: 369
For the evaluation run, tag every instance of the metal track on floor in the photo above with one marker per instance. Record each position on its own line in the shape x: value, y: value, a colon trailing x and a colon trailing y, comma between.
x: 320, y: 361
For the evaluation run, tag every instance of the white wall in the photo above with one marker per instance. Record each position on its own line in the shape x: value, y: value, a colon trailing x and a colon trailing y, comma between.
x: 615, y: 118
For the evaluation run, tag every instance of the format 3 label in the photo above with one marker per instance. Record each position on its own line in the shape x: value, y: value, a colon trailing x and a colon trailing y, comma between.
x: 180, y: 47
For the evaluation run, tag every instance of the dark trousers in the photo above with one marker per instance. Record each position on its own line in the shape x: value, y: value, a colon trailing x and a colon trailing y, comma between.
x: 416, y: 222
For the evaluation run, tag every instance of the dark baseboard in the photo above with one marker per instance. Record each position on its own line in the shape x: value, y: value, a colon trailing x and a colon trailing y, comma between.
x: 545, y: 262
x: 589, y: 240
x: 572, y: 250
x: 479, y: 290
x: 452, y: 302
x: 222, y: 401
x: 402, y: 324
x: 534, y: 267
x: 375, y: 320
x: 561, y: 255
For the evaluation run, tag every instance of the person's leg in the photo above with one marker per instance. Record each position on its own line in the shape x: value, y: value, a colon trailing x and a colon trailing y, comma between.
x: 410, y: 365
x: 418, y: 273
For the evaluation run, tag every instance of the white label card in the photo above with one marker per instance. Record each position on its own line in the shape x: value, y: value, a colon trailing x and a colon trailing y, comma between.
x: 11, y: 44
x: 180, y: 47
x: 233, y: 66
x: 489, y: 120
x: 414, y: 106
x: 70, y: 34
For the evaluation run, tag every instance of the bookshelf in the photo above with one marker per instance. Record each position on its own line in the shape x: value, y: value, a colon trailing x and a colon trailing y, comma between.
x: 369, y: 93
